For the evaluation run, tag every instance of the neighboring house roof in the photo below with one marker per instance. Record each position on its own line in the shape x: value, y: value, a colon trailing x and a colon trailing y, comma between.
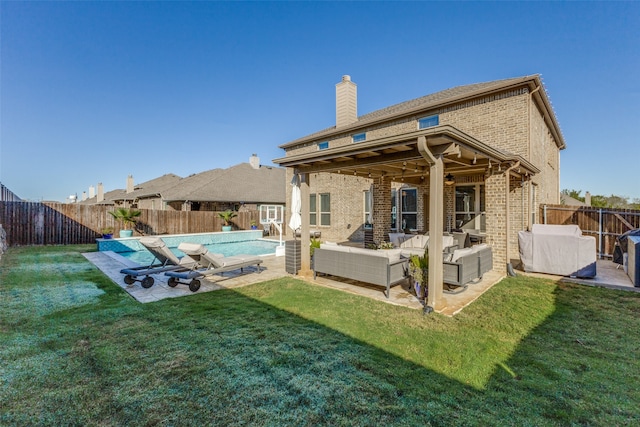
x: 570, y: 201
x: 155, y: 186
x: 192, y: 187
x: 109, y: 197
x: 151, y: 187
x: 442, y: 98
x: 240, y: 183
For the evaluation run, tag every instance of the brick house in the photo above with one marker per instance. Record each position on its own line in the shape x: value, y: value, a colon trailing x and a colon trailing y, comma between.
x: 244, y: 186
x: 480, y: 157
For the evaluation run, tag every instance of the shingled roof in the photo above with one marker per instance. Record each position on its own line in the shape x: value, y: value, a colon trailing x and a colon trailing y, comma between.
x: 147, y: 188
x: 432, y: 101
x: 154, y: 186
x: 240, y: 183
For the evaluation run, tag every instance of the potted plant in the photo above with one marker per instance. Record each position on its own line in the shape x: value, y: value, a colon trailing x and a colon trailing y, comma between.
x: 126, y: 217
x: 385, y: 245
x: 227, y: 216
x: 254, y: 224
x: 313, y: 245
x: 419, y: 272
x: 107, y: 233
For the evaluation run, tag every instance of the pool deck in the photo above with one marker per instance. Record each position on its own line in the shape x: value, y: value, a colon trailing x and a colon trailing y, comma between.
x: 110, y: 263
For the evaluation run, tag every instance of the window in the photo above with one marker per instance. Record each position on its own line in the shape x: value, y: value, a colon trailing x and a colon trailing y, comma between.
x: 470, y: 207
x: 323, y: 145
x: 367, y: 209
x: 428, y: 122
x: 359, y: 137
x: 325, y: 209
x: 313, y: 216
x: 409, y: 204
x: 394, y: 210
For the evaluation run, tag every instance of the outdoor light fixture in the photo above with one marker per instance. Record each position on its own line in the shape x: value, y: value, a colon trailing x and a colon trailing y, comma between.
x: 449, y: 179
x: 474, y: 158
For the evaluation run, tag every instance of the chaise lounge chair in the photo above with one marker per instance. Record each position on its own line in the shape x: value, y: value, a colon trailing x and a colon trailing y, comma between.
x: 166, y: 261
x: 207, y: 263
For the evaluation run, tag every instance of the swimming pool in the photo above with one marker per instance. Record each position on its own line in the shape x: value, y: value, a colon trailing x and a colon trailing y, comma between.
x: 248, y: 247
x: 249, y: 242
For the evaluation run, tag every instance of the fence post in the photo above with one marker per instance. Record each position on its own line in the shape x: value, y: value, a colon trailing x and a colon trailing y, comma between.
x: 544, y: 215
x: 600, y: 233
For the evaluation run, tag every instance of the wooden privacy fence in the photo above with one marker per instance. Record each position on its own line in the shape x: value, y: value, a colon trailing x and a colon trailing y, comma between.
x: 28, y: 223
x: 605, y: 224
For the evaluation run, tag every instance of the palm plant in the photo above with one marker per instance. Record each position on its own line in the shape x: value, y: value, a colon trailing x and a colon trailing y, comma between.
x: 125, y: 216
x: 227, y: 216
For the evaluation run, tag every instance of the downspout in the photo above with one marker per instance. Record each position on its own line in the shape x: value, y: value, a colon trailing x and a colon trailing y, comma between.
x: 507, y: 176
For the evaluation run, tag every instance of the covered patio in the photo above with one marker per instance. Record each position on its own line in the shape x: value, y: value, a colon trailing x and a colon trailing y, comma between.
x: 425, y: 158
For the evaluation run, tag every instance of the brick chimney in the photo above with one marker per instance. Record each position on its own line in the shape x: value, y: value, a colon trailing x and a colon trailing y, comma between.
x: 254, y: 161
x: 92, y: 191
x: 130, y: 184
x: 346, y: 102
x: 100, y: 195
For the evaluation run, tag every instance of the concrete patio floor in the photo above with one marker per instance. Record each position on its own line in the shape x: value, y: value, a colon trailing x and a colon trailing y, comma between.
x: 608, y: 275
x: 273, y: 267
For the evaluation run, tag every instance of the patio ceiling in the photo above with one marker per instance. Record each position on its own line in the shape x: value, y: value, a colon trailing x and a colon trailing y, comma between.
x: 399, y: 159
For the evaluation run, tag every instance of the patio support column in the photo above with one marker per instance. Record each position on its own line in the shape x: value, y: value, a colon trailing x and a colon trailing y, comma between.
x: 435, y: 297
x: 305, y: 241
x: 381, y: 209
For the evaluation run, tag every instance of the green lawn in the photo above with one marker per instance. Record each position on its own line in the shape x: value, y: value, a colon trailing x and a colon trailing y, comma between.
x: 75, y: 349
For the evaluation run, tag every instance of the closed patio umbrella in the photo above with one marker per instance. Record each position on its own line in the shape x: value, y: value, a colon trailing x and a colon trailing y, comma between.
x: 296, y: 205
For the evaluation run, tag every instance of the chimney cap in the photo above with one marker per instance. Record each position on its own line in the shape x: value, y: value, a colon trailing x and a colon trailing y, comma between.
x: 346, y: 78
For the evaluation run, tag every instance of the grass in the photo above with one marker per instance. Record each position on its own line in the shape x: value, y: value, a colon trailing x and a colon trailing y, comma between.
x: 75, y: 349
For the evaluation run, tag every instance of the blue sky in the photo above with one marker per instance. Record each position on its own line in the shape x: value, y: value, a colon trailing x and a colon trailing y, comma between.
x: 94, y: 91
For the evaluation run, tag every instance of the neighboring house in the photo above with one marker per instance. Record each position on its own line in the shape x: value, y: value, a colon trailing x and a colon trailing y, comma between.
x: 480, y: 157
x: 130, y: 197
x: 571, y: 201
x: 243, y: 186
x: 240, y: 187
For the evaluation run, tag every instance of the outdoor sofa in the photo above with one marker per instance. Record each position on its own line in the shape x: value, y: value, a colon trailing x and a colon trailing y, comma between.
x: 384, y: 267
x: 466, y: 265
x: 418, y: 244
x: 558, y: 249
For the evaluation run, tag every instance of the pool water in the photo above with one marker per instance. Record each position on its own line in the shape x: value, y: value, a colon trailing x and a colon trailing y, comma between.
x: 250, y: 247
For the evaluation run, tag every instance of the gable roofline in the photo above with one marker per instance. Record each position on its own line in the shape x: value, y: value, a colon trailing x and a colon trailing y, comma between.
x: 241, y: 182
x: 441, y: 99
